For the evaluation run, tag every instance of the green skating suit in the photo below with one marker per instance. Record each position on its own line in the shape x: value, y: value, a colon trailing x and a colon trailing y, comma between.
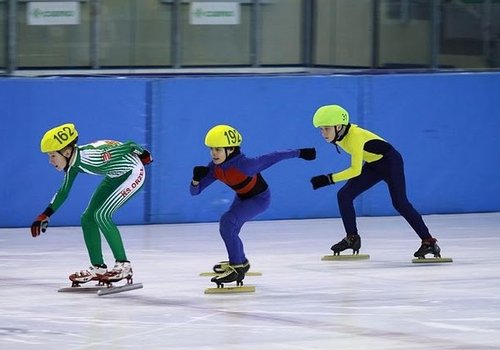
x: 123, y: 175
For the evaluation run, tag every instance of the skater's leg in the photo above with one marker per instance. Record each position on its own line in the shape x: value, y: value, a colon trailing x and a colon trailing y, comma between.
x: 346, y: 195
x: 396, y: 182
x: 108, y: 197
x: 231, y: 222
x: 116, y: 193
x: 96, y: 219
x: 91, y: 234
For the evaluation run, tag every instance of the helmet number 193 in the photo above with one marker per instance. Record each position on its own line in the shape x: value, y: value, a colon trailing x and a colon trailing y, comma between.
x: 63, y: 135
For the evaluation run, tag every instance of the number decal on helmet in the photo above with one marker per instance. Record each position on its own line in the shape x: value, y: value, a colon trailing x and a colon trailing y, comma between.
x: 59, y: 137
x: 223, y: 136
x: 63, y: 135
x: 233, y: 137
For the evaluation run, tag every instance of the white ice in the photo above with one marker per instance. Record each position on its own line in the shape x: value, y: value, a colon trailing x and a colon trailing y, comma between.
x: 300, y: 302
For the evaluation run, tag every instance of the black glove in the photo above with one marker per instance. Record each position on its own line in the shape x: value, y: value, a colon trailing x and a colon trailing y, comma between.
x: 40, y: 224
x: 146, y: 157
x: 199, y: 172
x: 307, y: 153
x: 321, y: 181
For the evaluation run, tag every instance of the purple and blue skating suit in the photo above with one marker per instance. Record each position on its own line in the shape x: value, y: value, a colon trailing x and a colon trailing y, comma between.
x: 252, y: 197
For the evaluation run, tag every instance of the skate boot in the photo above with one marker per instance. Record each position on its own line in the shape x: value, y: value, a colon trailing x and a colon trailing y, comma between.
x: 121, y: 270
x: 350, y: 242
x: 221, y: 266
x: 429, y: 246
x: 93, y: 273
x: 232, y: 273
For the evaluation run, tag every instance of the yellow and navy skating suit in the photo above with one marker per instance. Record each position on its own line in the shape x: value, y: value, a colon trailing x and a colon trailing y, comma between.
x: 373, y: 160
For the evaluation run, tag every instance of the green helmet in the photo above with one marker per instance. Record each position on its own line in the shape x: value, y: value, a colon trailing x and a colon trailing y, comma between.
x: 330, y: 115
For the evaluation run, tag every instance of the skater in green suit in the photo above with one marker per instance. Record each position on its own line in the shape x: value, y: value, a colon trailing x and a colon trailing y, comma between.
x: 122, y: 165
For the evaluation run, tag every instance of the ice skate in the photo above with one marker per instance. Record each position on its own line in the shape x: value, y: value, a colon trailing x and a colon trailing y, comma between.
x: 350, y: 242
x: 121, y: 270
x: 233, y: 273
x: 429, y: 246
x: 93, y: 273
x: 222, y: 266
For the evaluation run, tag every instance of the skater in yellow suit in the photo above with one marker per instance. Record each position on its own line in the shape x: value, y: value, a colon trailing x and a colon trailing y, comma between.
x: 373, y: 159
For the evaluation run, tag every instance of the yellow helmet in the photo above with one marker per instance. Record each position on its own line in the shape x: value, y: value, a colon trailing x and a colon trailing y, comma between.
x: 223, y: 136
x: 330, y: 115
x: 59, y: 137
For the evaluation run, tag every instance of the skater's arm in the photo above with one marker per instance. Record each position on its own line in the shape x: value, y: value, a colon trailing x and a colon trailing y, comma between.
x: 362, y: 145
x: 355, y: 168
x: 63, y: 192
x: 202, y: 178
x: 42, y: 221
x: 121, y: 149
x: 329, y: 179
x: 252, y: 166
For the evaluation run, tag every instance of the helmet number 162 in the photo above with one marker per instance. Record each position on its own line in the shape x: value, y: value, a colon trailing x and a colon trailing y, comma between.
x: 63, y: 135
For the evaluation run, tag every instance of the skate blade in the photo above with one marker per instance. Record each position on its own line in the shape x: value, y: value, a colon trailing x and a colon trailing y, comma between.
x: 230, y: 290
x: 431, y: 260
x: 346, y: 257
x: 119, y: 289
x: 205, y: 274
x: 81, y: 289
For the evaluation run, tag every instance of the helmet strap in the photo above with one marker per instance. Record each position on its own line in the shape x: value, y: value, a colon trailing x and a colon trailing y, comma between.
x: 339, y: 135
x: 235, y: 152
x: 68, y: 159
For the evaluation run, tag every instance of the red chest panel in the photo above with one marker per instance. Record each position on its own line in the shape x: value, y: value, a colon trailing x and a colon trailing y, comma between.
x: 235, y: 179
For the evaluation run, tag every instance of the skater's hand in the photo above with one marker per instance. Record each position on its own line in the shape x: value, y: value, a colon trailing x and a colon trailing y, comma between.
x: 321, y: 181
x: 146, y: 157
x: 199, y: 172
x: 307, y: 153
x: 40, y: 224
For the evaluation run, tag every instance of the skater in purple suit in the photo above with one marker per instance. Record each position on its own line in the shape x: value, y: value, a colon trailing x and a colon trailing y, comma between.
x: 253, y: 197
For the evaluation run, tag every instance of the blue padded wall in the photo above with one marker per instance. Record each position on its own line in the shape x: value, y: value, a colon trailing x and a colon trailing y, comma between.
x: 271, y: 115
x: 445, y: 125
x: 100, y: 108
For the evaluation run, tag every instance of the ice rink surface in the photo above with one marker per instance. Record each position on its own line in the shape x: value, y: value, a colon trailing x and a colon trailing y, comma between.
x: 300, y: 302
